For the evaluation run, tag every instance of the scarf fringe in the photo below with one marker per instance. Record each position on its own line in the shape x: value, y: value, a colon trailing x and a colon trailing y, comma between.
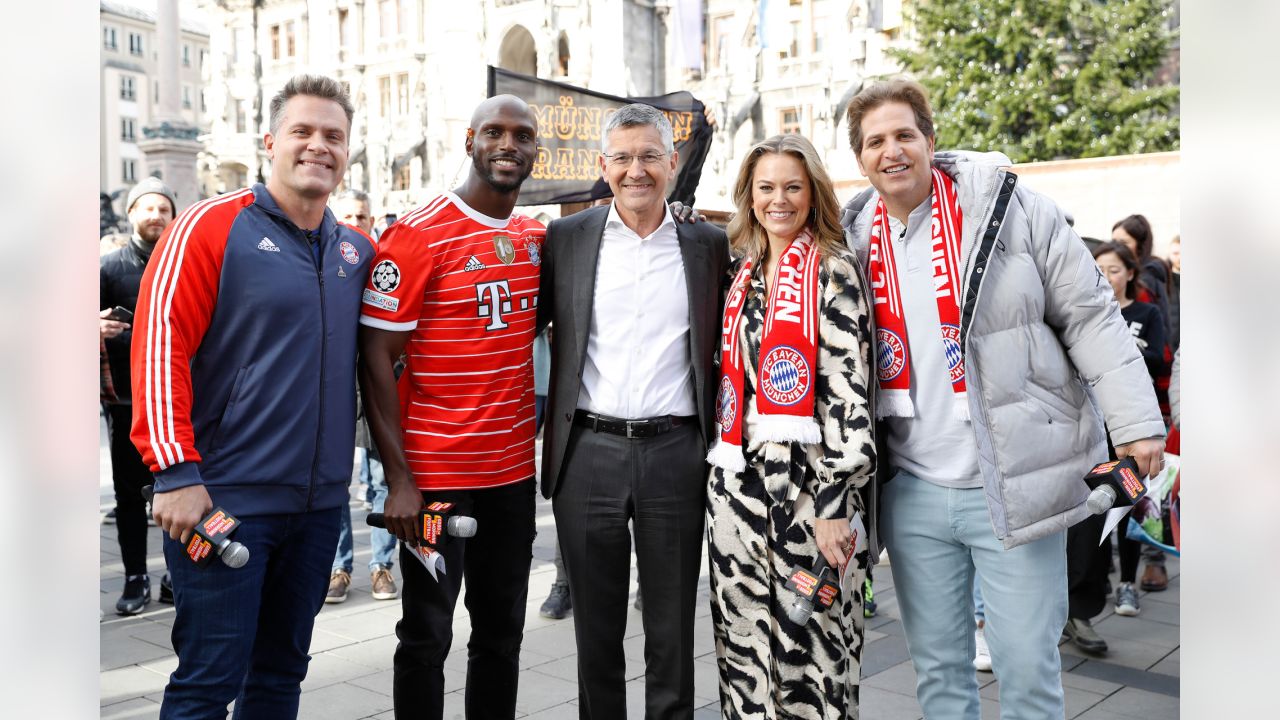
x: 960, y: 411
x: 789, y: 428
x: 894, y: 403
x: 727, y: 457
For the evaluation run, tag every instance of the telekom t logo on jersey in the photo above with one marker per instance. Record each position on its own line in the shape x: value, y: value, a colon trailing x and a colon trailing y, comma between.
x: 494, y: 299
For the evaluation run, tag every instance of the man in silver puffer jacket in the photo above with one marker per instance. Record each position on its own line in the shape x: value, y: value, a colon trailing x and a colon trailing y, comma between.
x: 1014, y: 354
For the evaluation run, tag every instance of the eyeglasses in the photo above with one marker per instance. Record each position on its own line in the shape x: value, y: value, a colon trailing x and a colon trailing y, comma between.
x: 622, y: 160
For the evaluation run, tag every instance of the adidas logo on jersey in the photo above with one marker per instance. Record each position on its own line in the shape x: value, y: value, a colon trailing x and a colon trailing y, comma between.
x: 267, y: 245
x: 473, y: 264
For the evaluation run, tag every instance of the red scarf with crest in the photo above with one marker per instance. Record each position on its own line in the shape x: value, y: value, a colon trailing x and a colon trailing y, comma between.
x: 893, y: 357
x: 788, y: 357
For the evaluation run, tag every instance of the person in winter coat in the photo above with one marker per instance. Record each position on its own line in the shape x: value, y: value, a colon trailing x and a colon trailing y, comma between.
x: 151, y: 208
x: 1000, y: 351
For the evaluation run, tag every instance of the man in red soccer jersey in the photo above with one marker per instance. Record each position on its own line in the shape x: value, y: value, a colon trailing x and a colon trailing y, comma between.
x: 455, y: 287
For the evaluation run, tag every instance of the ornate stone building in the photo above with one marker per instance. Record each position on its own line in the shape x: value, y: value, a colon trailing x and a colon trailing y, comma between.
x: 130, y: 100
x: 792, y: 71
x: 416, y: 70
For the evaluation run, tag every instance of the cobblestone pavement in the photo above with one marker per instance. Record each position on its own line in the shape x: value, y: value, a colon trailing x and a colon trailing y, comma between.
x: 350, y: 671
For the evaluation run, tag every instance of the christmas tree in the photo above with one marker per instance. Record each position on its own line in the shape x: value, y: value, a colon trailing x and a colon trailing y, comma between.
x: 1047, y: 79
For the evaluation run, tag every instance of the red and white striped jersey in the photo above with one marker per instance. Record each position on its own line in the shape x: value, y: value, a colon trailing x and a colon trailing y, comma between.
x: 467, y: 286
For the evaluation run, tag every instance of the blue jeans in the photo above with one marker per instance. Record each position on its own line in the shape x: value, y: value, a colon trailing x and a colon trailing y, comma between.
x: 937, y: 538
x: 979, y: 614
x: 243, y: 634
x: 382, y: 542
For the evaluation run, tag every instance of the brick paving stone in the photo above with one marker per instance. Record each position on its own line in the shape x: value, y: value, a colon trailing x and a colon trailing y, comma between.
x: 350, y: 675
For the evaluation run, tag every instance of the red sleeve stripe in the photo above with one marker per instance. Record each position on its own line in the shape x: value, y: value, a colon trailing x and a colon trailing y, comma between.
x: 426, y: 211
x: 457, y: 238
x: 167, y: 449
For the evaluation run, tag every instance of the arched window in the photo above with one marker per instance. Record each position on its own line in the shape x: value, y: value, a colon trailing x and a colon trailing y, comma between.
x: 562, y: 54
x: 518, y: 52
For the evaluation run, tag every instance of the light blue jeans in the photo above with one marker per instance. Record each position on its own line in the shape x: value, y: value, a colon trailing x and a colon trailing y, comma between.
x: 937, y: 537
x: 979, y: 614
x: 382, y: 542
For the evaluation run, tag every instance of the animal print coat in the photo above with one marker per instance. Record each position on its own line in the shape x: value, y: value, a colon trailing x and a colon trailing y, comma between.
x: 761, y: 525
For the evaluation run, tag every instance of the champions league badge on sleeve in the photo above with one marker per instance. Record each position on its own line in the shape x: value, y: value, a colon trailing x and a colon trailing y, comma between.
x: 891, y: 354
x: 535, y: 254
x: 784, y: 376
x: 955, y: 357
x: 385, y: 276
x: 349, y: 253
x: 726, y: 405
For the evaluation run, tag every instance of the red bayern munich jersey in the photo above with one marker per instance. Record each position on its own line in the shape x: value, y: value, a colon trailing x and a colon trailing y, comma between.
x: 467, y: 286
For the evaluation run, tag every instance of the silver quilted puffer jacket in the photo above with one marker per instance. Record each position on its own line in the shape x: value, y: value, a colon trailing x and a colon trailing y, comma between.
x: 1047, y: 354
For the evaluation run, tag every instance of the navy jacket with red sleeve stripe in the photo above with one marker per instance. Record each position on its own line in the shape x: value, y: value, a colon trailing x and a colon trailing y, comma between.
x: 244, y: 353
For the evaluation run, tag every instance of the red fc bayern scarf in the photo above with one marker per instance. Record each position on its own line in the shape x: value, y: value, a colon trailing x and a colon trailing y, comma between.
x: 893, y: 359
x: 788, y: 357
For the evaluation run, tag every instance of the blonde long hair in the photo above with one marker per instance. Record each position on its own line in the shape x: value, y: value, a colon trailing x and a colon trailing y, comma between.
x: 748, y: 238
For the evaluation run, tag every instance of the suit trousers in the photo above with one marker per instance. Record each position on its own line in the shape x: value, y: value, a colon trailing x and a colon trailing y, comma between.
x: 495, y: 567
x: 659, y: 484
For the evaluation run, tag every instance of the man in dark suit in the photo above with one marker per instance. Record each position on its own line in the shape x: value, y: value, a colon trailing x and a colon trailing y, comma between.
x: 636, y: 301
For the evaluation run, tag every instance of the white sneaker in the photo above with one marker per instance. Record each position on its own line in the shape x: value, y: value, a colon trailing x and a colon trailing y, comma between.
x: 982, y: 656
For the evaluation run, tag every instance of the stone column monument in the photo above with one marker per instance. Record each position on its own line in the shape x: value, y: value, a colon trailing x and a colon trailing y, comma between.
x: 170, y: 142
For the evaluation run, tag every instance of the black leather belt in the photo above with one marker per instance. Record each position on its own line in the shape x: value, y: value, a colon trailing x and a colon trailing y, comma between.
x: 646, y: 428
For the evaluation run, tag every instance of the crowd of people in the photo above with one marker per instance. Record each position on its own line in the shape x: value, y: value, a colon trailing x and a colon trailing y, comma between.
x: 928, y: 370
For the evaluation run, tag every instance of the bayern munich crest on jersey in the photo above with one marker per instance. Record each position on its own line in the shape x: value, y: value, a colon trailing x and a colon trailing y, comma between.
x: 385, y: 276
x: 784, y: 376
x: 535, y: 255
x: 726, y: 405
x: 955, y: 357
x: 505, y: 249
x: 891, y: 355
x: 349, y: 253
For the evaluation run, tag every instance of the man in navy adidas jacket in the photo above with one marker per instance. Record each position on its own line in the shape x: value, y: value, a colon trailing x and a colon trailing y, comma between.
x: 243, y: 356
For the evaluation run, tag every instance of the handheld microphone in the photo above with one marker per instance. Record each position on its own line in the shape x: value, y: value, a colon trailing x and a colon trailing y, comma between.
x: 1114, y: 483
x: 211, y: 538
x: 436, y: 523
x: 816, y: 587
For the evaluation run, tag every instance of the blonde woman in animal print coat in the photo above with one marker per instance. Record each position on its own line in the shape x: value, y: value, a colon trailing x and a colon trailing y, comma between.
x: 791, y: 500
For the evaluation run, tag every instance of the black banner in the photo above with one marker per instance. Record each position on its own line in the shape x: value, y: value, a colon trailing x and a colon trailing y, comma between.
x: 567, y: 169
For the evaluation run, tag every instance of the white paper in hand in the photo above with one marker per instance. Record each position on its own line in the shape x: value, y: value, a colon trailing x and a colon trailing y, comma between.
x: 1114, y: 516
x: 430, y: 559
x: 859, y: 537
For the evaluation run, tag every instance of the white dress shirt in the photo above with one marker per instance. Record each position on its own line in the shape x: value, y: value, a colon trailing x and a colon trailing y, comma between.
x: 637, y: 363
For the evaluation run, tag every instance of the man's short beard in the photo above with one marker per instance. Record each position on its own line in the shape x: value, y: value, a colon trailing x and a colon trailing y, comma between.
x: 497, y: 184
x: 142, y: 233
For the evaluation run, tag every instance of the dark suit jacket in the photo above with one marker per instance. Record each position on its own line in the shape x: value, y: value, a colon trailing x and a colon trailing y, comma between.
x: 565, y: 299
